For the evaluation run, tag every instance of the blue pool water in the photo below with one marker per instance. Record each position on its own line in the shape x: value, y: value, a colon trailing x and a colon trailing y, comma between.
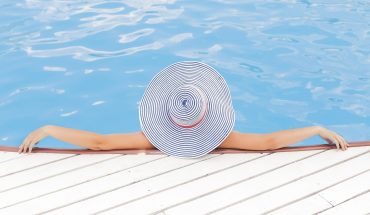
x: 85, y: 64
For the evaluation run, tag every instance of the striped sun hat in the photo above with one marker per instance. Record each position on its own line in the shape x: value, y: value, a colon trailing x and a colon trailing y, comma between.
x: 186, y: 110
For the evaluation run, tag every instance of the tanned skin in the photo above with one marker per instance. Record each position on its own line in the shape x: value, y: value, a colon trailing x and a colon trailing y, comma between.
x: 137, y: 140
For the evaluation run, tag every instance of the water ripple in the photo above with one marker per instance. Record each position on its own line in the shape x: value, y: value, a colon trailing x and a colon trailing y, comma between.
x: 180, y: 37
x: 97, y: 20
x: 126, y: 38
x: 54, y: 69
x: 64, y: 10
x: 86, y: 54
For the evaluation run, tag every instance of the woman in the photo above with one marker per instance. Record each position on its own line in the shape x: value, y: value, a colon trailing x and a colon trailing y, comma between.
x: 186, y: 111
x: 137, y: 140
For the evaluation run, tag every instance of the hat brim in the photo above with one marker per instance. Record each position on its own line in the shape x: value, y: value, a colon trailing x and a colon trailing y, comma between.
x: 178, y: 141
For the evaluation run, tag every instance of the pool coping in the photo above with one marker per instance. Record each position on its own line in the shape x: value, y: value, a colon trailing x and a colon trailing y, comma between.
x: 156, y: 151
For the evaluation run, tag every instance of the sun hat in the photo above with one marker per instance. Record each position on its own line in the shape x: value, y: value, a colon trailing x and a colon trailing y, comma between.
x: 186, y: 110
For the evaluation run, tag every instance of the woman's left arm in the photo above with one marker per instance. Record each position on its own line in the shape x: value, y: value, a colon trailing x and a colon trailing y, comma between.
x: 279, y: 139
x: 290, y: 136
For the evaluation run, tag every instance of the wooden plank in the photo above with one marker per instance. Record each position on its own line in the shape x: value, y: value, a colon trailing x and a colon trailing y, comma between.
x: 306, y: 206
x: 121, y: 176
x: 29, y: 161
x: 301, y: 188
x: 254, y: 186
x: 347, y: 189
x: 161, y: 181
x: 332, y: 196
x: 6, y: 156
x: 358, y: 205
x: 72, y: 178
x: 170, y: 197
x: 51, y: 169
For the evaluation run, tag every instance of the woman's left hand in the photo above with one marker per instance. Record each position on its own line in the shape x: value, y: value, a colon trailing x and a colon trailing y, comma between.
x: 32, y: 139
x: 333, y: 138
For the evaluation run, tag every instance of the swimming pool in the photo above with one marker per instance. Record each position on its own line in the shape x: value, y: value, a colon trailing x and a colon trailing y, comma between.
x: 85, y: 64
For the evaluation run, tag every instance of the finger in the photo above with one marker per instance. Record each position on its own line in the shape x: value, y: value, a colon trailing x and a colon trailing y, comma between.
x: 30, y: 148
x: 35, y: 140
x: 337, y: 145
x: 30, y: 142
x: 340, y: 143
x: 26, y: 141
x: 22, y: 145
x: 20, y: 148
x: 335, y: 141
x: 26, y: 146
x: 345, y: 142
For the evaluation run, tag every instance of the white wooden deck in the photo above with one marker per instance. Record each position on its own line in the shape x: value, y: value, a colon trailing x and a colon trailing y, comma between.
x: 304, y: 182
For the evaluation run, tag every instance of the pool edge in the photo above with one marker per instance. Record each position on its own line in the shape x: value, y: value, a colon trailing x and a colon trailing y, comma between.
x: 156, y: 151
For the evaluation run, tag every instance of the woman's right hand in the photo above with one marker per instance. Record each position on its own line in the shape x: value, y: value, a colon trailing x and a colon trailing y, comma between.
x: 32, y: 139
x: 333, y: 138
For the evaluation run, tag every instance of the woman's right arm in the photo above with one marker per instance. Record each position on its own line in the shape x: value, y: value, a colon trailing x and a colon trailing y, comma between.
x: 82, y: 138
x: 87, y: 139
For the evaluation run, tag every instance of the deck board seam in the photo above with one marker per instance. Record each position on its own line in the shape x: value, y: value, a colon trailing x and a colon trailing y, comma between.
x: 318, y: 193
x: 61, y: 173
x: 162, y: 210
x: 286, y: 183
x: 322, y: 197
x: 186, y: 182
x: 238, y: 182
x: 32, y: 167
x: 217, y: 155
x: 13, y: 158
x: 347, y: 200
x: 54, y: 191
x: 122, y: 186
